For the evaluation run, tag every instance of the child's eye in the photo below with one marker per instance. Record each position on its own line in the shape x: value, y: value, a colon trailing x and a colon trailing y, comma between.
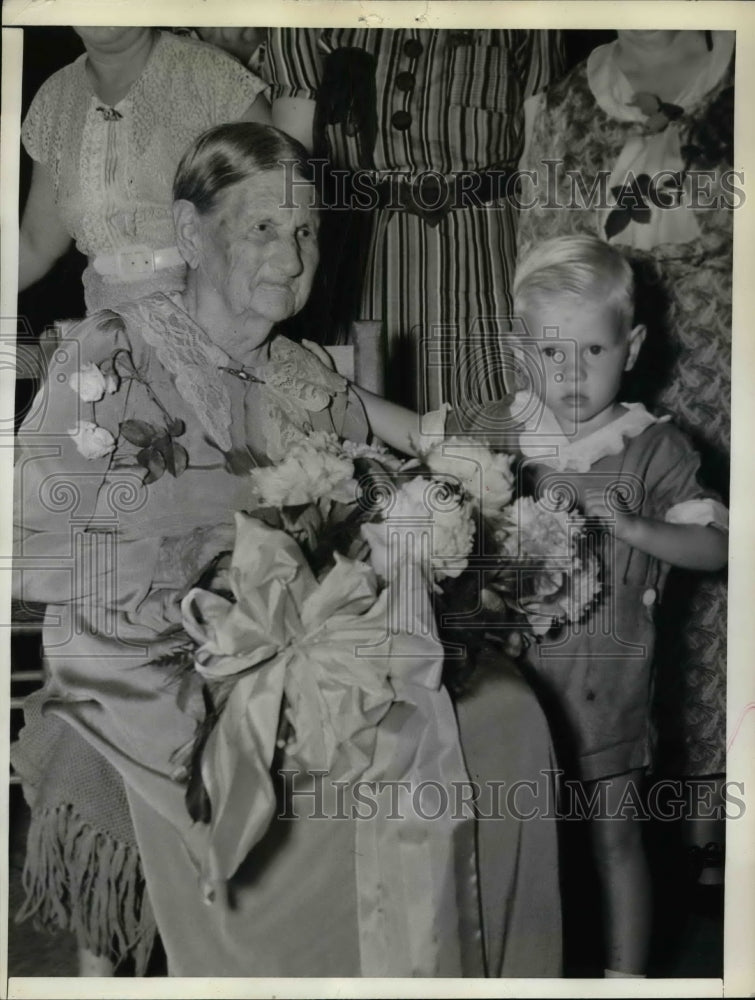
x: 595, y: 349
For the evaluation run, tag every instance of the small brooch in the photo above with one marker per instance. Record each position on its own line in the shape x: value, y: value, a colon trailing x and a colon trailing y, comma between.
x: 240, y: 373
x: 658, y: 113
x: 109, y: 114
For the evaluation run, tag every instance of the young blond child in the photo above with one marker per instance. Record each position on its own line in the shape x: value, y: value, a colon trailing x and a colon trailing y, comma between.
x: 637, y: 475
x: 575, y: 295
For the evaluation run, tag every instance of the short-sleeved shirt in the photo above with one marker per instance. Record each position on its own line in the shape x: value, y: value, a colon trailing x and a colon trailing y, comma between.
x: 113, y: 178
x: 595, y: 677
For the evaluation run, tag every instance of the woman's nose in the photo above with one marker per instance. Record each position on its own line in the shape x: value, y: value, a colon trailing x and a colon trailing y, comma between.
x: 287, y: 257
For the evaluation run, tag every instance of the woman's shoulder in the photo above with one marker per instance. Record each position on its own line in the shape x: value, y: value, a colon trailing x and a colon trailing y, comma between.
x: 572, y: 87
x: 62, y: 80
x: 50, y: 111
x: 198, y: 60
x: 293, y: 367
x: 189, y: 86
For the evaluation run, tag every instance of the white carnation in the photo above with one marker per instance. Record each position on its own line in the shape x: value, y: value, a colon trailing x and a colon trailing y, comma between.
x: 314, y: 469
x: 482, y: 473
x: 535, y: 531
x: 417, y: 507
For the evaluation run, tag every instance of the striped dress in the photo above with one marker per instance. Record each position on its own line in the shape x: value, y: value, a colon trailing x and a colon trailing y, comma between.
x: 413, y: 101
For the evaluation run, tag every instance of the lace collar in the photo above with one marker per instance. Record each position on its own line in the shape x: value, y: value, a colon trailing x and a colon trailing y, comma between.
x: 293, y: 377
x: 541, y: 436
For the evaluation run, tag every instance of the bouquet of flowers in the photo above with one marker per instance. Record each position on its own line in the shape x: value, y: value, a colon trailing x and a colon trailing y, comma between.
x: 489, y: 561
x: 324, y: 616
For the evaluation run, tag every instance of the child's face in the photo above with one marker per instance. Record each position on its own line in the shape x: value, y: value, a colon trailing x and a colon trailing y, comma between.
x: 583, y: 352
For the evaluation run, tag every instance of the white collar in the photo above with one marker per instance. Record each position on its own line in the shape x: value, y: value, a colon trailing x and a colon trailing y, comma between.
x: 613, y: 92
x: 543, y: 439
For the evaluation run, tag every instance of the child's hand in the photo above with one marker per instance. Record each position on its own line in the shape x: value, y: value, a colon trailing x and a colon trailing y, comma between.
x: 597, y: 505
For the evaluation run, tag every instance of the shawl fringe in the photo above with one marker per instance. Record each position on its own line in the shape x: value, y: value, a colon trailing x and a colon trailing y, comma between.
x: 80, y: 879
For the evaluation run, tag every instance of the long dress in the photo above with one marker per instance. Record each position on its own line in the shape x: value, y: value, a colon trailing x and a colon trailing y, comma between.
x: 113, y: 169
x: 108, y: 622
x: 422, y: 103
x: 82, y: 869
x: 600, y: 140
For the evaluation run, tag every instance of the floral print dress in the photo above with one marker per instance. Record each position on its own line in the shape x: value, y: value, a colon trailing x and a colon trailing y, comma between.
x: 617, y: 160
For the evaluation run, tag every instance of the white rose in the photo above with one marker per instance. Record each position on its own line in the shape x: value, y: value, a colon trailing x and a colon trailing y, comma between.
x: 90, y: 383
x: 92, y: 441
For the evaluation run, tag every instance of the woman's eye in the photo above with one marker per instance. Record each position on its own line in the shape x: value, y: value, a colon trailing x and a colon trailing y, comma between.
x: 306, y: 232
x: 261, y: 227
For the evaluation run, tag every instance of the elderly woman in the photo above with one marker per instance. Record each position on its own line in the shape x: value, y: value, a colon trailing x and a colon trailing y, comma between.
x: 176, y: 398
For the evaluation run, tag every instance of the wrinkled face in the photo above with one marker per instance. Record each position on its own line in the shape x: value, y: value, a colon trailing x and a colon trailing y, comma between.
x: 110, y: 39
x: 259, y: 256
x: 583, y: 366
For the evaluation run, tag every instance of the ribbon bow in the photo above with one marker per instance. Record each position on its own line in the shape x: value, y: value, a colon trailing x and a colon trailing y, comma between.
x: 288, y: 635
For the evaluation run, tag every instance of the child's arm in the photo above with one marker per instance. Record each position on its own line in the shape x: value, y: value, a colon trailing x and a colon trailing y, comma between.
x: 688, y: 546
x: 393, y: 424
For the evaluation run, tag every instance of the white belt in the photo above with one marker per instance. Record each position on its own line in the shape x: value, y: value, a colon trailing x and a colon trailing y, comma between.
x: 134, y: 262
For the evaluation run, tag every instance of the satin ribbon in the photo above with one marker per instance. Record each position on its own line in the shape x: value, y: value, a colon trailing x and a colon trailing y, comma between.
x: 300, y: 636
x: 360, y: 673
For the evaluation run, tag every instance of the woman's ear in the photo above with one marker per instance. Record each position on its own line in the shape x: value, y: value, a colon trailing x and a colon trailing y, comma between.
x: 188, y: 232
x: 636, y: 337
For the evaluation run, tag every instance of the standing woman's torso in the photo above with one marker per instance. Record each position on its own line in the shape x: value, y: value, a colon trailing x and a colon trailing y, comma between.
x: 589, y: 125
x: 410, y: 99
x: 112, y: 169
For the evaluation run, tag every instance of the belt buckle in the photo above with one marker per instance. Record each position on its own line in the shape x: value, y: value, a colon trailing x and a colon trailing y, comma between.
x: 137, y: 260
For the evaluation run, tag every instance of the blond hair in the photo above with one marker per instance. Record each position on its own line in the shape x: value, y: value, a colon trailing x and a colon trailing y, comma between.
x: 581, y: 267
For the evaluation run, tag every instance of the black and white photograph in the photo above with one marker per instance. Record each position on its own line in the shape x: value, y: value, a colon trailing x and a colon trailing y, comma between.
x: 375, y: 516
